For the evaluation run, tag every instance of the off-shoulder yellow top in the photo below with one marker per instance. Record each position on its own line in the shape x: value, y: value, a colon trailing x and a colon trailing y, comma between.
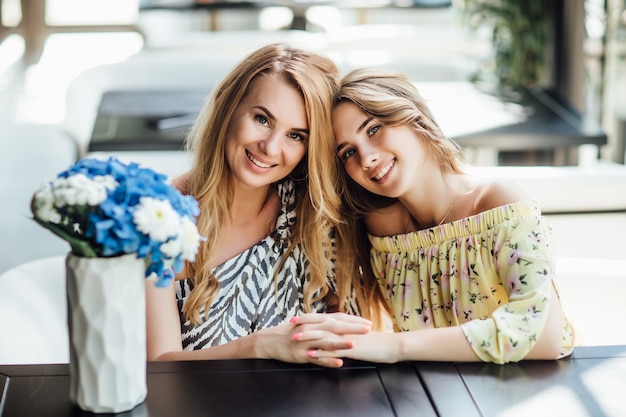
x: 490, y: 273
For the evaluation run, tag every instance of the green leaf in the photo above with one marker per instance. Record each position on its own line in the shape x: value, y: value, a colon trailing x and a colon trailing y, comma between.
x: 80, y: 246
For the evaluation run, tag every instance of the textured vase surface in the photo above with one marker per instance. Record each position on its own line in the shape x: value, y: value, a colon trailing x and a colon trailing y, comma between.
x: 107, y: 332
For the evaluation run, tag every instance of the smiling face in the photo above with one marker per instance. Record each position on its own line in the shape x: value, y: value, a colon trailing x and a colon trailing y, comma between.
x: 268, y: 134
x: 383, y: 159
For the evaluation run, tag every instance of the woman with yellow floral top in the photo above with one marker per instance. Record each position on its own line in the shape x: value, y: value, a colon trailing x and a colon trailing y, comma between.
x: 464, y: 265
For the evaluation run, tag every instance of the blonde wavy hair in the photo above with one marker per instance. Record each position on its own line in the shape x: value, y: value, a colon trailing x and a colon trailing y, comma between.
x: 317, y: 210
x: 393, y: 99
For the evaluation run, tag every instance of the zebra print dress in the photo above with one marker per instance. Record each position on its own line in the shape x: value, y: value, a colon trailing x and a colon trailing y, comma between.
x: 248, y: 299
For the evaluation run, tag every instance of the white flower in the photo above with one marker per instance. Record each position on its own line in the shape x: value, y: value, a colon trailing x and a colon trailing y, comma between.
x: 190, y: 239
x: 80, y: 190
x: 43, y: 205
x: 185, y: 244
x: 172, y: 248
x: 156, y: 218
x: 106, y: 180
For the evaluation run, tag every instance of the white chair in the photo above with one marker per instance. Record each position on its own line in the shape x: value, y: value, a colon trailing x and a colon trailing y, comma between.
x: 33, y: 313
x: 144, y: 72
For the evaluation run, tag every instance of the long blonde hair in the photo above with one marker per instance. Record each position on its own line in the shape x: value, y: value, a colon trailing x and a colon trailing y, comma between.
x: 391, y: 98
x: 317, y: 210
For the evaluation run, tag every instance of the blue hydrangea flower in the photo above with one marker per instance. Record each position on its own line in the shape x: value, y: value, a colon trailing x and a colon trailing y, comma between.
x: 105, y: 208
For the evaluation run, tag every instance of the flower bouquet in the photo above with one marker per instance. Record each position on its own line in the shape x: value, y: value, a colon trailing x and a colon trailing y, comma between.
x: 123, y: 223
x: 105, y: 208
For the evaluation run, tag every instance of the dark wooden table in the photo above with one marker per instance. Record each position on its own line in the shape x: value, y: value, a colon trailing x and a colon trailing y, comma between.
x: 590, y: 383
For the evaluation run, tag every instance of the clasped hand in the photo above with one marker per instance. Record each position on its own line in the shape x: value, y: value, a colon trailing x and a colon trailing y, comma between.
x: 302, y: 339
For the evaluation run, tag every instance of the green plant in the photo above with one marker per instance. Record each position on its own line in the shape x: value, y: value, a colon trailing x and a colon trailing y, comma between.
x: 520, y: 37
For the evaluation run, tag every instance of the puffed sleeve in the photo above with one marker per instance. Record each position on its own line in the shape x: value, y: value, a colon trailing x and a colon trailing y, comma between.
x: 525, y: 265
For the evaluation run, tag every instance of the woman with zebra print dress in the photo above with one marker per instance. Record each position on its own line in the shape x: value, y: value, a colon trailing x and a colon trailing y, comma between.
x: 264, y: 176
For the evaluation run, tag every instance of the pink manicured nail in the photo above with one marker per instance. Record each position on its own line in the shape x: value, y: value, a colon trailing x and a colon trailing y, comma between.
x: 296, y: 336
x: 294, y: 319
x: 311, y: 353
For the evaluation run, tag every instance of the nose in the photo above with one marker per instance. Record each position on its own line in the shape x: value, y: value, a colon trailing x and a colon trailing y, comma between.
x: 270, y: 145
x: 370, y: 157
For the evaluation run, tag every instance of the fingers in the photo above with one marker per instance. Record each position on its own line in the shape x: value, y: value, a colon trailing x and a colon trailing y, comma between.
x: 337, y: 323
x: 313, y: 341
x: 312, y: 331
x: 323, y: 339
x: 328, y: 362
x: 324, y: 332
x: 323, y: 355
x: 330, y: 317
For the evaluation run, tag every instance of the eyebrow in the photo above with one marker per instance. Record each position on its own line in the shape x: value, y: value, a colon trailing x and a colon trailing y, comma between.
x: 358, y: 130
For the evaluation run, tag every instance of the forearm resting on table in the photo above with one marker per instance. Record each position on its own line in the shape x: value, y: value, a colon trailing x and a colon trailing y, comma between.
x: 237, y: 349
x: 441, y: 344
x: 450, y: 343
x: 164, y: 332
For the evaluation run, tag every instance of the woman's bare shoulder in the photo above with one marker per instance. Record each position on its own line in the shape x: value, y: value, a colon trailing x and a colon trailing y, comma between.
x: 181, y: 183
x: 495, y: 193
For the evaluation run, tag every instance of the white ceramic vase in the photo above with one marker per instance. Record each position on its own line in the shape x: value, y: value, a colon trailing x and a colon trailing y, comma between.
x: 107, y: 332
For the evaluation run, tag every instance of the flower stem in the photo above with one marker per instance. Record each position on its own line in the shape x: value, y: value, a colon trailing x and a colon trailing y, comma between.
x: 79, y: 246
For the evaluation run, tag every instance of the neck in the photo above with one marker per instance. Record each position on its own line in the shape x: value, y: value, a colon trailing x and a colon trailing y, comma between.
x: 436, y: 201
x: 247, y: 205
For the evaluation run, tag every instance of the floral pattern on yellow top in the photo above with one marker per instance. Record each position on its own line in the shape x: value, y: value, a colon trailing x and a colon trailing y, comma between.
x: 490, y: 273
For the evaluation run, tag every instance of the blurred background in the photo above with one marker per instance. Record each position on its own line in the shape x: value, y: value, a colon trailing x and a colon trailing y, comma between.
x: 513, y: 81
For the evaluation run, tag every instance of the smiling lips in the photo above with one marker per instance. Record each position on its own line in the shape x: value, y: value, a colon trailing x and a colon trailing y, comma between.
x: 384, y: 170
x: 258, y: 162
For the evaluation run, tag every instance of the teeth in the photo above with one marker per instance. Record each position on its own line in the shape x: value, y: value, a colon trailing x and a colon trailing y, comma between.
x: 257, y: 162
x: 385, y: 170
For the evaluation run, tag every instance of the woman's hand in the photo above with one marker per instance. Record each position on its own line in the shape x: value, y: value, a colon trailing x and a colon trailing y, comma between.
x: 295, y: 341
x: 380, y: 347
